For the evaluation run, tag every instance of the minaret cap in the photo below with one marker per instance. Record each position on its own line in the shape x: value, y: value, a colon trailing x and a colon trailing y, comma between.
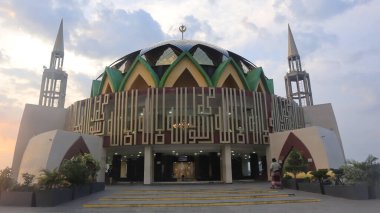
x: 58, y: 46
x: 292, y: 48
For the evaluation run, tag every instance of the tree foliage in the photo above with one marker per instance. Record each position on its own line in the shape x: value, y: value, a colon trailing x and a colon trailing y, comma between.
x: 6, y: 181
x: 80, y: 169
x: 295, y: 163
x: 366, y: 171
x: 28, y: 179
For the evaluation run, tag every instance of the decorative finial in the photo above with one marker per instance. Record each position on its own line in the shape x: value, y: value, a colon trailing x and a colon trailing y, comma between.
x: 182, y: 29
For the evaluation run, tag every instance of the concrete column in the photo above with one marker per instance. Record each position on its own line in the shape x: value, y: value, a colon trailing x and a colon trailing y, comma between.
x: 103, y: 159
x: 226, y: 164
x: 269, y: 161
x: 148, y: 165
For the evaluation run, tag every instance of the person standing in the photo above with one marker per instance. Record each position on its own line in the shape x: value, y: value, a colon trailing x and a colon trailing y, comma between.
x: 275, y: 169
x: 110, y: 174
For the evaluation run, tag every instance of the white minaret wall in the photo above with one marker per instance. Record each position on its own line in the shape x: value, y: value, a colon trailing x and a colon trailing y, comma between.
x: 297, y: 76
x: 54, y: 79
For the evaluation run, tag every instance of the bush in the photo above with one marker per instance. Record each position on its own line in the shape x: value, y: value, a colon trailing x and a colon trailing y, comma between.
x: 295, y: 163
x: 321, y: 174
x: 80, y: 169
x: 367, y: 171
x: 338, y: 176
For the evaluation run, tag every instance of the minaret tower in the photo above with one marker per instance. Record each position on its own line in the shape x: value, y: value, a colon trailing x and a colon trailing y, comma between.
x: 54, y: 79
x: 297, y: 81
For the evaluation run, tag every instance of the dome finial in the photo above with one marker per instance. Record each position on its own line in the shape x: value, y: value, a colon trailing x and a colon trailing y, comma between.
x: 182, y: 29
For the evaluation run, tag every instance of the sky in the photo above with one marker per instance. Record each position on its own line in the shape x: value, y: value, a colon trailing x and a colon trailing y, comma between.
x: 339, y: 44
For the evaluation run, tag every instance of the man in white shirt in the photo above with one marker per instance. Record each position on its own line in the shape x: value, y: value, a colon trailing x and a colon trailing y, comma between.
x: 275, y: 170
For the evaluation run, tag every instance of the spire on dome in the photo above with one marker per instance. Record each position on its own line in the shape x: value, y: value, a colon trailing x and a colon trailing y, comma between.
x: 292, y: 48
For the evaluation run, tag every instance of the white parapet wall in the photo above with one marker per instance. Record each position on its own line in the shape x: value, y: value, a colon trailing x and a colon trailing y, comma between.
x: 323, y: 145
x: 322, y: 115
x: 35, y: 120
x: 47, y: 150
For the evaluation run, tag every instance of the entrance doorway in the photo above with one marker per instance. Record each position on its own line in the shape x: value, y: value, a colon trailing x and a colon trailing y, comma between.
x: 184, y: 171
x: 127, y: 168
x: 187, y: 167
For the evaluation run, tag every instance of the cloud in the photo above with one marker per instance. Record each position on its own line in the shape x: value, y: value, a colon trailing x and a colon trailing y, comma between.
x: 9, y: 122
x: 317, y: 9
x: 313, y: 38
x: 40, y: 17
x: 78, y: 87
x: 91, y: 29
x: 19, y: 85
x: 7, y: 143
x: 129, y: 31
x: 199, y: 29
x: 3, y: 57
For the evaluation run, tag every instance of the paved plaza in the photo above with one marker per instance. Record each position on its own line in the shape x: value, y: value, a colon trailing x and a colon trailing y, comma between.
x: 220, y: 198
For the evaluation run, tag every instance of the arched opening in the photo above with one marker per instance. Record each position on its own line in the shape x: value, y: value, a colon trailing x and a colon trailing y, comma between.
x: 186, y: 80
x: 260, y: 87
x: 107, y: 89
x: 229, y: 77
x: 293, y: 142
x: 79, y: 147
x: 139, y: 83
x: 185, y: 72
x: 230, y: 83
x: 140, y: 77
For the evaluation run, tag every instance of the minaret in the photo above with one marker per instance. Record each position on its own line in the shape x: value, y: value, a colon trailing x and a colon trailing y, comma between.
x: 54, y: 79
x: 297, y: 81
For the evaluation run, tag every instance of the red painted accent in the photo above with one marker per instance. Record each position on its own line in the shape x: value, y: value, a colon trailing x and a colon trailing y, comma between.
x: 106, y: 141
x: 293, y: 142
x: 78, y: 148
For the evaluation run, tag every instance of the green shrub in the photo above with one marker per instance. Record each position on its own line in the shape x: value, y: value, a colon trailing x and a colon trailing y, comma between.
x: 92, y: 165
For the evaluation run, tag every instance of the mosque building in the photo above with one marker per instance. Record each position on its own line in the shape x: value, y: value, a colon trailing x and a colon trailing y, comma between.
x: 180, y: 110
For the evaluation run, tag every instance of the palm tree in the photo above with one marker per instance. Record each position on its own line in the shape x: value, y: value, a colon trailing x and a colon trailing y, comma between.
x: 51, y: 179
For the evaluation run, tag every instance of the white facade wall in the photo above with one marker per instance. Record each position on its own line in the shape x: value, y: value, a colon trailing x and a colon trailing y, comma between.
x: 322, y: 115
x: 323, y: 145
x: 47, y: 150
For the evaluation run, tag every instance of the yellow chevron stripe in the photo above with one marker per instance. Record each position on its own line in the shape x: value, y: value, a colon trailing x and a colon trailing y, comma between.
x: 200, y: 192
x: 200, y: 204
x: 195, y: 190
x: 196, y: 198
